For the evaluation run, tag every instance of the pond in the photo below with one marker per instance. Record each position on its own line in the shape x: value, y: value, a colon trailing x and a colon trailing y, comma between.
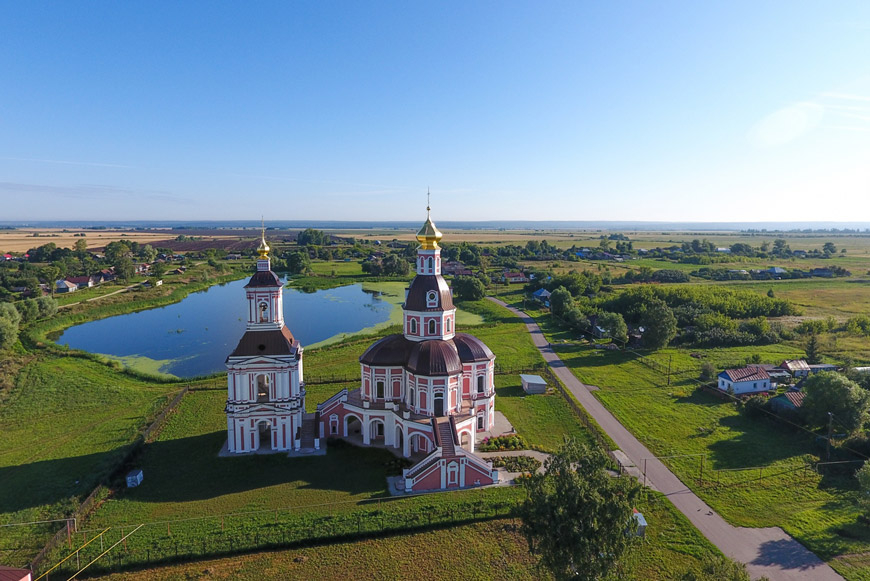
x: 194, y: 337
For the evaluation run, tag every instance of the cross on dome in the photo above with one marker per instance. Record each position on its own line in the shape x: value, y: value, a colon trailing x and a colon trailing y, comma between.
x: 263, y: 249
x: 429, y: 236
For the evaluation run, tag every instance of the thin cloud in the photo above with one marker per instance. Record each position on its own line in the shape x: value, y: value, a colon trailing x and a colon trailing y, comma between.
x: 90, y: 192
x: 67, y: 162
x: 847, y: 96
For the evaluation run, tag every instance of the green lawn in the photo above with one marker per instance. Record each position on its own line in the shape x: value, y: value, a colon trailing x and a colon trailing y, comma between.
x: 679, y: 420
x: 65, y: 425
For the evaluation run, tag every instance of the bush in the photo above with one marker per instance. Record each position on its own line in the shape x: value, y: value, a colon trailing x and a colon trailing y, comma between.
x: 503, y: 443
x: 516, y: 463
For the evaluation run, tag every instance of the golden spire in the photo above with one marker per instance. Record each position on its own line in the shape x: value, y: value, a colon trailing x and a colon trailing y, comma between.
x: 429, y: 236
x: 263, y: 249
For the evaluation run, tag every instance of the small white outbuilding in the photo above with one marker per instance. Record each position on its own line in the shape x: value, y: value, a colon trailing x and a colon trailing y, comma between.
x: 533, y: 383
x: 134, y: 478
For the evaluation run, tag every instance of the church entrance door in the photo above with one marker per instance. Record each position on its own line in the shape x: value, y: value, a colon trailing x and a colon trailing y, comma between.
x: 439, y: 405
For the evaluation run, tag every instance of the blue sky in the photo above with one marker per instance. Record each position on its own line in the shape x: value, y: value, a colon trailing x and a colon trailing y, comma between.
x: 508, y: 110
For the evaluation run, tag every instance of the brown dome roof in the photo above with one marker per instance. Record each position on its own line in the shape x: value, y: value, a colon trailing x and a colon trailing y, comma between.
x: 264, y: 278
x: 420, y: 287
x: 470, y: 348
x: 392, y: 350
x: 434, y: 357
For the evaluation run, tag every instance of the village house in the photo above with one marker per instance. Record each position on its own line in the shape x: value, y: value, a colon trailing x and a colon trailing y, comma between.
x: 542, y: 295
x: 515, y: 278
x: 745, y: 380
x: 797, y: 367
x: 64, y: 286
x: 787, y: 403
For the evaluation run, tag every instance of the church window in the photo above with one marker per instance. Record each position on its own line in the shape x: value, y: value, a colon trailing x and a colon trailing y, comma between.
x: 412, y: 401
x: 432, y: 299
x: 480, y: 422
x: 380, y: 388
x: 432, y: 327
x: 429, y: 263
x: 262, y: 388
x: 449, y: 323
x: 413, y: 326
x: 264, y: 315
x: 480, y: 381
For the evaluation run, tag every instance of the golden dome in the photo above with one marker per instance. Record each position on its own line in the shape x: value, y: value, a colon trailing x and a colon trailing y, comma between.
x: 263, y: 249
x: 429, y: 236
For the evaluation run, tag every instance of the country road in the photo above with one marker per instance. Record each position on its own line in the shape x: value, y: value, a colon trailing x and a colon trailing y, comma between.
x: 768, y: 552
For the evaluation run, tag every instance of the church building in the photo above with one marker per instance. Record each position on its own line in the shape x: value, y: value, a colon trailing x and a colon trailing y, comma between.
x: 426, y: 392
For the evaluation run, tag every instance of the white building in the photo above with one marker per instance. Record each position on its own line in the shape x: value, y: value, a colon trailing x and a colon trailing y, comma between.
x: 744, y: 380
x: 265, y: 391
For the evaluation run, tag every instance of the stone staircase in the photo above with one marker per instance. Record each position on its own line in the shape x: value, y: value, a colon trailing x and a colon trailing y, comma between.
x: 445, y: 437
x: 308, y: 433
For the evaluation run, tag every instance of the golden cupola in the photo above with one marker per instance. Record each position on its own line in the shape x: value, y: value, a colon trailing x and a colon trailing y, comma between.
x: 263, y: 249
x: 429, y: 236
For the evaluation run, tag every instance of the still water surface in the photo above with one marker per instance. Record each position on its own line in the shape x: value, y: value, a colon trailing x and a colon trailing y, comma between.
x: 194, y: 336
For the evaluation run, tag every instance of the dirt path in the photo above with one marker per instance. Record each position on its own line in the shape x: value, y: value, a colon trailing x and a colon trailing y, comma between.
x: 122, y: 290
x: 767, y: 552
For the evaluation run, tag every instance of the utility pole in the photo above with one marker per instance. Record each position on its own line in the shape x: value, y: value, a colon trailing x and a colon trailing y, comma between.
x: 830, y: 433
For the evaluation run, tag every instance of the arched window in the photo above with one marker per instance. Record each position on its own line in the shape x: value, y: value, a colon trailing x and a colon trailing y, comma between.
x: 412, y: 326
x: 429, y: 262
x: 449, y: 325
x: 380, y: 390
x: 480, y: 384
x: 432, y: 327
x: 412, y: 402
x: 264, y: 312
x: 262, y: 388
x: 432, y: 299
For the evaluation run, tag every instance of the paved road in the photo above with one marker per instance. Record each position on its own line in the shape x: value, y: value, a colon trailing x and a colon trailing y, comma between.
x: 767, y: 552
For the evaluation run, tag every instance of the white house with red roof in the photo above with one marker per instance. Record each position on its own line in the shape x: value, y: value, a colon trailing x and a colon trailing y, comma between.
x: 744, y: 380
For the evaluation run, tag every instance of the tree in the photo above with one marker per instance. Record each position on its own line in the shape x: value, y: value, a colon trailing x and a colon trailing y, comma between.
x: 9, y: 319
x: 147, y: 253
x: 124, y: 267
x: 829, y: 248
x: 561, y: 302
x: 298, y: 263
x: 395, y: 265
x: 27, y: 309
x: 659, y: 323
x: 47, y: 307
x: 615, y: 326
x: 575, y: 515
x: 158, y: 269
x: 863, y: 476
x: 814, y: 355
x: 81, y: 247
x: 311, y: 237
x: 836, y: 394
x: 468, y: 288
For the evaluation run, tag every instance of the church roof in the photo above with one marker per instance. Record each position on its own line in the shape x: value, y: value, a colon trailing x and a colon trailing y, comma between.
x: 430, y: 357
x: 434, y: 357
x: 470, y: 348
x: 273, y: 342
x: 392, y: 350
x: 263, y: 278
x: 420, y: 287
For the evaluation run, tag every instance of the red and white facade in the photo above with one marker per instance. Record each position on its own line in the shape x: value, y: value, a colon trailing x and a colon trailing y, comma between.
x: 265, y: 389
x: 426, y: 392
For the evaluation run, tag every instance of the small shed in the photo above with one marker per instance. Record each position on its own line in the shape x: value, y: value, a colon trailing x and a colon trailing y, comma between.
x: 640, y: 524
x: 533, y: 383
x: 134, y: 478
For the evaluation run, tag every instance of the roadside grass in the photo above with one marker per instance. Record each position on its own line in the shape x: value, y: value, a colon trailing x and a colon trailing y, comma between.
x: 680, y: 420
x: 65, y: 425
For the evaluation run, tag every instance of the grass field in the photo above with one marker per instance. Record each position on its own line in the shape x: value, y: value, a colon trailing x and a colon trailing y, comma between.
x: 65, y: 425
x: 489, y: 550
